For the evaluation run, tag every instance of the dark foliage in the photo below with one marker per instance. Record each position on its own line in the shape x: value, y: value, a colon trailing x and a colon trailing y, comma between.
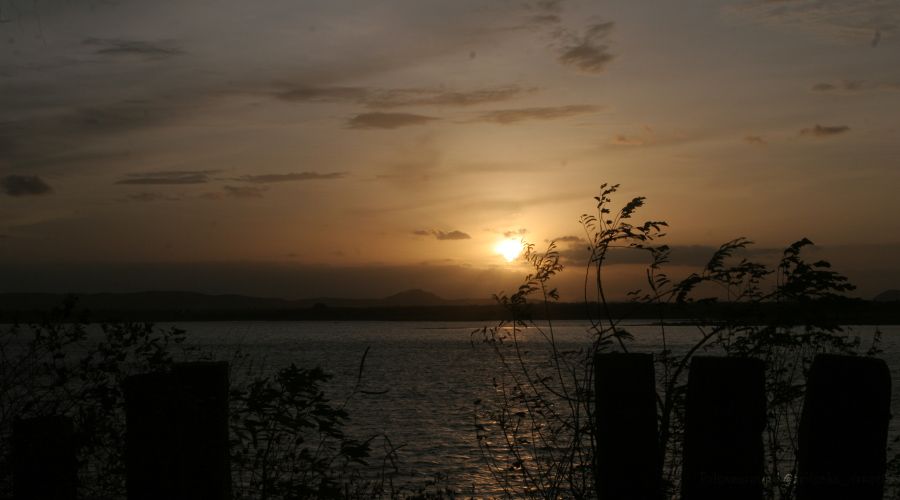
x: 537, y: 435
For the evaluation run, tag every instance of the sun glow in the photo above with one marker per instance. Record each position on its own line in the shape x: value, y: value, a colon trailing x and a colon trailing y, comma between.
x: 509, y: 249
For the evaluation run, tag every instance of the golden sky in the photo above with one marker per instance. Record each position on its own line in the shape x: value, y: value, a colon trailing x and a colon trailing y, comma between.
x: 358, y: 148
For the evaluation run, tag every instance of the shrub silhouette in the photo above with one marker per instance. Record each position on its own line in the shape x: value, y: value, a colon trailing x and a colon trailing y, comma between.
x: 537, y: 435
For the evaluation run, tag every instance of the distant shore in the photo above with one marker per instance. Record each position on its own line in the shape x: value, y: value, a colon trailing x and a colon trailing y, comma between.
x: 187, y: 307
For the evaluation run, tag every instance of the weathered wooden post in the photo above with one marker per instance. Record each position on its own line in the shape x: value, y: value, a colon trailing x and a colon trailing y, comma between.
x: 177, y: 435
x: 843, y: 429
x: 43, y: 460
x: 725, y: 415
x: 202, y: 425
x: 626, y: 462
x: 150, y: 437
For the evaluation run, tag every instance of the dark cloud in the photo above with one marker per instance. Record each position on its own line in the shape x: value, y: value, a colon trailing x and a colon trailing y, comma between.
x: 388, y: 120
x: 324, y: 94
x: 555, y: 6
x: 755, y: 140
x: 64, y: 136
x: 588, y: 52
x: 445, y: 98
x: 853, y: 87
x: 244, y: 191
x: 290, y: 177
x: 858, y: 22
x: 545, y: 19
x: 24, y: 185
x: 119, y: 116
x: 519, y: 232
x: 441, y: 235
x: 150, y: 197
x: 573, y: 251
x: 507, y: 116
x: 843, y: 86
x: 212, y: 195
x: 285, y: 279
x: 570, y: 239
x: 451, y: 235
x: 395, y: 98
x: 825, y: 131
x: 134, y: 48
x: 168, y: 177
x: 626, y: 140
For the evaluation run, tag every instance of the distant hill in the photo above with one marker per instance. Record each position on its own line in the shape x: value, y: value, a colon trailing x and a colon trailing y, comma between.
x: 416, y: 305
x: 415, y: 297
x: 200, y: 302
x: 888, y: 296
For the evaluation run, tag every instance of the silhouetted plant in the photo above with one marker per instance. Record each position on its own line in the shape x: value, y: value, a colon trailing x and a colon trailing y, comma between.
x: 288, y: 439
x: 65, y: 366
x: 537, y: 434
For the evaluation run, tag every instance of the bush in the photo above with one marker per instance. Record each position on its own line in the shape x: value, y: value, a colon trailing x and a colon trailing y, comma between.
x: 287, y: 438
x: 537, y: 437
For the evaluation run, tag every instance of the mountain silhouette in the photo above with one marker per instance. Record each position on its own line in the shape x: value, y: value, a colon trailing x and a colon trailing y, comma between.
x: 887, y: 296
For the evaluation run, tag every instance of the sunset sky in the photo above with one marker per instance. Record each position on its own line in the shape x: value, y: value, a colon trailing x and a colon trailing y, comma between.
x: 358, y: 148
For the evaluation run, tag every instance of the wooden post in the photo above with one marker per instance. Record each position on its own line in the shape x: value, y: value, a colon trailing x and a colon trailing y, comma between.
x: 202, y: 425
x: 177, y: 435
x: 151, y: 446
x: 626, y: 462
x: 843, y: 429
x: 43, y: 460
x: 725, y: 415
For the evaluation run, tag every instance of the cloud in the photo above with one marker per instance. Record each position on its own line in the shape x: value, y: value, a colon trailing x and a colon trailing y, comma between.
x: 452, y: 235
x: 547, y: 12
x: 395, y: 98
x: 388, y: 120
x: 168, y: 177
x: 570, y: 239
x: 134, y: 48
x: 853, y: 87
x: 59, y: 131
x: 755, y: 140
x: 519, y: 232
x: 441, y: 235
x: 545, y: 19
x: 858, y: 22
x: 146, y: 197
x: 625, y: 140
x: 121, y: 116
x: 244, y: 191
x: 825, y: 131
x: 324, y: 94
x: 843, y: 86
x: 290, y: 177
x: 507, y: 116
x: 573, y: 251
x: 554, y: 6
x: 445, y: 98
x: 588, y: 53
x: 24, y: 185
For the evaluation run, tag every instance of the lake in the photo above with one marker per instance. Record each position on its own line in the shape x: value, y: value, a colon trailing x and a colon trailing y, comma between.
x: 431, y: 373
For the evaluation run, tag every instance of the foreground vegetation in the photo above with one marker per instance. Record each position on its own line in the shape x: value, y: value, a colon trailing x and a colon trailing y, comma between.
x: 538, y: 435
x: 289, y: 440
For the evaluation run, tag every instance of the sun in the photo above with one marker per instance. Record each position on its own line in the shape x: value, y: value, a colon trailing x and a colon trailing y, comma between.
x: 509, y: 249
